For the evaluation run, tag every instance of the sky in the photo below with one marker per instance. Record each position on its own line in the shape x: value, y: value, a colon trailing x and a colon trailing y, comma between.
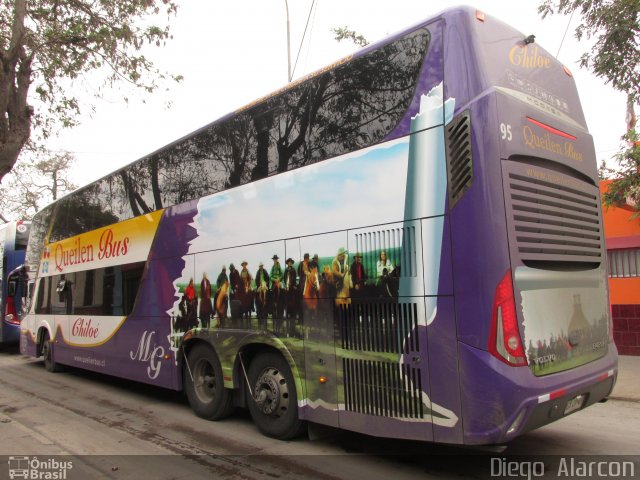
x: 231, y: 53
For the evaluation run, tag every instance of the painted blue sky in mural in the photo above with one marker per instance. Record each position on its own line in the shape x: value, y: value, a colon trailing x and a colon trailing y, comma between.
x: 318, y: 198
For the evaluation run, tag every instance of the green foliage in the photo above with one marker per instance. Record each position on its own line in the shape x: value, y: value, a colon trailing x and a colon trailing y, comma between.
x: 615, y: 57
x: 615, y: 25
x: 46, y: 44
x: 344, y: 33
x: 624, y: 190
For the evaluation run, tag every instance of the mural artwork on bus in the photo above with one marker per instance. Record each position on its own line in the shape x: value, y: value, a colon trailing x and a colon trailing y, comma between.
x: 557, y: 333
x: 261, y: 262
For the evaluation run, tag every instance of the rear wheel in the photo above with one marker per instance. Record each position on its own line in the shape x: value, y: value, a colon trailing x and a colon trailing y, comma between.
x: 47, y: 352
x: 204, y: 385
x: 274, y: 405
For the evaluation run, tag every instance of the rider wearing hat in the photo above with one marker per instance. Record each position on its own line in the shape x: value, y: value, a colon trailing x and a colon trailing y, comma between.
x: 358, y: 273
x: 276, y: 270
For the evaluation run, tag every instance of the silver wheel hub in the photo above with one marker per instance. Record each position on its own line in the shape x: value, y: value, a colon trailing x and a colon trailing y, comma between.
x: 204, y: 380
x: 271, y: 392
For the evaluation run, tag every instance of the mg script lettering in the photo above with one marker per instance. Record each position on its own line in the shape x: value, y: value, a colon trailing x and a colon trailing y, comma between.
x: 148, y: 352
x: 82, y: 328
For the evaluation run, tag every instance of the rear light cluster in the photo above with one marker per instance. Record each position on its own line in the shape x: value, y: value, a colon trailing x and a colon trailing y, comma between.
x: 504, y: 339
x: 10, y: 314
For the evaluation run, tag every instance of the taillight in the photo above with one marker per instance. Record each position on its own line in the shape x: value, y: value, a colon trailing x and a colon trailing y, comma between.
x: 504, y: 340
x: 10, y: 314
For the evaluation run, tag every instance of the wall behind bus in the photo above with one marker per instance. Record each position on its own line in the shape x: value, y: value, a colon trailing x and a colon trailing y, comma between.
x: 623, y: 233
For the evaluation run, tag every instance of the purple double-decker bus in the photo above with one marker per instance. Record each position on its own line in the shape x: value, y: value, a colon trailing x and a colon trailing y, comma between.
x: 407, y: 243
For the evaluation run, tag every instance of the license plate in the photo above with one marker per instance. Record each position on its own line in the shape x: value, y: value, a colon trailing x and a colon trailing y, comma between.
x: 574, y: 404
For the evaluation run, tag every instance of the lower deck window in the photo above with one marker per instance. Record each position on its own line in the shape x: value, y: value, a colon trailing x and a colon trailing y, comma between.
x: 624, y: 263
x: 103, y: 291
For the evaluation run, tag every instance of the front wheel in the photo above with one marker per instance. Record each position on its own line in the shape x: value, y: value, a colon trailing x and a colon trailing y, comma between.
x: 47, y: 353
x: 204, y: 385
x: 274, y: 405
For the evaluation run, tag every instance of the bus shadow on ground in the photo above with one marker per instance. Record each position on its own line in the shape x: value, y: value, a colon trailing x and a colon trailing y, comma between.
x: 430, y: 458
x: 9, y: 349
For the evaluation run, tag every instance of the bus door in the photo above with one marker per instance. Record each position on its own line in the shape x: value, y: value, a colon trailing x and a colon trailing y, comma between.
x: 382, y: 336
x: 318, y: 285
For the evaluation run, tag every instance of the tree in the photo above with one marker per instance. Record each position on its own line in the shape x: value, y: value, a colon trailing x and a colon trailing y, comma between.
x: 624, y: 189
x: 33, y: 184
x: 46, y: 44
x: 345, y: 33
x: 615, y: 57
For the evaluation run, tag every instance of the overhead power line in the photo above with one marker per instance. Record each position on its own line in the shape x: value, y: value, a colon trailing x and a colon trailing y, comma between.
x: 565, y: 34
x: 303, y: 35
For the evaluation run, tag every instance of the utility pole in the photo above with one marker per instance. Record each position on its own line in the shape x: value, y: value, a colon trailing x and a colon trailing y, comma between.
x: 286, y: 5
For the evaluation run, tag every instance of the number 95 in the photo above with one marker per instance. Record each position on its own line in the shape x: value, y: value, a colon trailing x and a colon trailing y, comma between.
x: 505, y: 130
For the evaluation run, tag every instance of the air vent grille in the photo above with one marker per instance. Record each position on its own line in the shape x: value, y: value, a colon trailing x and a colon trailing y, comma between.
x: 382, y: 326
x: 554, y: 217
x: 459, y: 159
x: 399, y: 244
x: 383, y: 389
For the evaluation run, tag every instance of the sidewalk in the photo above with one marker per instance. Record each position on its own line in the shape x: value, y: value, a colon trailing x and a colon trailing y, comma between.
x: 628, y: 385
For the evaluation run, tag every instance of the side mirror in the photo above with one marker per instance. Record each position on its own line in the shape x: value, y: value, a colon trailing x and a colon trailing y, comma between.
x: 62, y: 285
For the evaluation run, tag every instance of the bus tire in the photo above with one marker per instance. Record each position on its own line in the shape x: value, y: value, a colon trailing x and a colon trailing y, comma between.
x: 206, y: 393
x: 274, y: 404
x: 48, y: 354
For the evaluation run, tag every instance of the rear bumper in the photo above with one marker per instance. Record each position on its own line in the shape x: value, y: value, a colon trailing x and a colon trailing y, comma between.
x: 551, y: 409
x: 11, y: 333
x: 501, y: 402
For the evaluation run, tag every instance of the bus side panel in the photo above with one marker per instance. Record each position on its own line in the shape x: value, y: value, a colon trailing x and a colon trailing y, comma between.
x: 137, y: 349
x: 27, y: 341
x: 443, y: 355
x: 158, y: 291
x: 480, y: 259
x: 29, y: 333
x: 139, y: 346
x: 478, y: 231
x: 318, y: 318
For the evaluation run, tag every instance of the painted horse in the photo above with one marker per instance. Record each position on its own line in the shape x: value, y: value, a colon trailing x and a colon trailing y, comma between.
x: 262, y: 305
x: 222, y: 302
x: 277, y: 304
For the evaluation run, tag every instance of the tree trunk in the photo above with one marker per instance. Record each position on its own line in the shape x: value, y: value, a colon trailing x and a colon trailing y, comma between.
x: 15, y: 79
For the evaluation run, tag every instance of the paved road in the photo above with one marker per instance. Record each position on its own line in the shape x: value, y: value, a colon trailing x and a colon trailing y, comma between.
x: 119, y: 429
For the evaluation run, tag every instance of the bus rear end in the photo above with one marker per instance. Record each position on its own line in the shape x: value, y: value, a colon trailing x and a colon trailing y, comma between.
x: 529, y: 261
x: 13, y: 244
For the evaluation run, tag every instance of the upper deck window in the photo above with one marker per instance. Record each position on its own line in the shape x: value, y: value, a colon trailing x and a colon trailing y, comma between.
x: 346, y: 108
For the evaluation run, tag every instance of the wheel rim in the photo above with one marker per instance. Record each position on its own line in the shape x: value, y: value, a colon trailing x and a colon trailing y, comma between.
x: 271, y: 392
x: 204, y: 380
